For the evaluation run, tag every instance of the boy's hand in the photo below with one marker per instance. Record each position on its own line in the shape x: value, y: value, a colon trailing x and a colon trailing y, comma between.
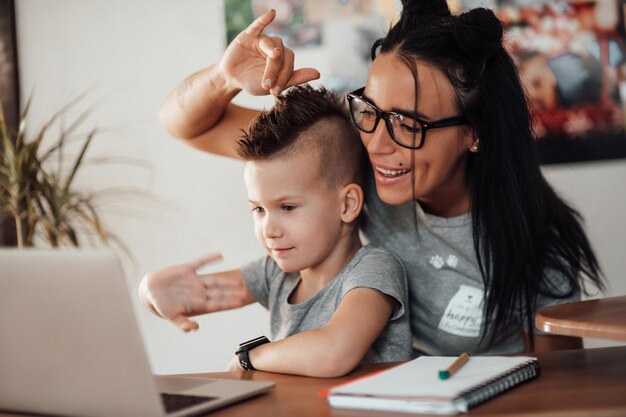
x: 177, y: 292
x: 260, y: 64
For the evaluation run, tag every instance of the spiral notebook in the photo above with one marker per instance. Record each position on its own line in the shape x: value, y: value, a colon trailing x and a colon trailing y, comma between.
x: 415, y: 386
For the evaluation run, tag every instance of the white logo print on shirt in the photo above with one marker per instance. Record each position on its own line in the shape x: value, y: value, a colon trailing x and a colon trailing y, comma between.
x: 437, y: 261
x: 464, y: 314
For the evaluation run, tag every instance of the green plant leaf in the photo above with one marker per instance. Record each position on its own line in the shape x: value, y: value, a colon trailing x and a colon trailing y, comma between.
x: 78, y: 160
x: 37, y: 181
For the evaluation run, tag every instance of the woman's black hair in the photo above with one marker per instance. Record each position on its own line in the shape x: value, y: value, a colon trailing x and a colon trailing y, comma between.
x: 528, y: 241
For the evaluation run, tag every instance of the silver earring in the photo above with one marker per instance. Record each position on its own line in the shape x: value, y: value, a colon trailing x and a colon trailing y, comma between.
x: 474, y: 148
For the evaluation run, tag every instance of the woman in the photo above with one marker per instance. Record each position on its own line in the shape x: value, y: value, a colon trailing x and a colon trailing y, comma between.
x: 456, y: 191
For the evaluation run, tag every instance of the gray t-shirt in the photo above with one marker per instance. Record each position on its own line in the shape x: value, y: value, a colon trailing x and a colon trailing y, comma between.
x: 369, y: 268
x: 446, y: 289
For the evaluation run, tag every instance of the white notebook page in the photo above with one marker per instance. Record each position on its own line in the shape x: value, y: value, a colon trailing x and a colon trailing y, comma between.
x: 420, y: 377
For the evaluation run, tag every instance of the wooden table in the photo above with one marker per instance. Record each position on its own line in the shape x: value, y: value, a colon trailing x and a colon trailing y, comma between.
x: 581, y: 383
x: 603, y: 318
x: 586, y: 382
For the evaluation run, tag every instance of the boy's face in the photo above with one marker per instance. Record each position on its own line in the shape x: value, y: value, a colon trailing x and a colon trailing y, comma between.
x: 297, y: 218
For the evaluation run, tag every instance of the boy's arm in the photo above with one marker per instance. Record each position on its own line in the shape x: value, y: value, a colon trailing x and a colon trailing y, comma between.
x: 178, y: 292
x: 199, y: 109
x: 335, y: 349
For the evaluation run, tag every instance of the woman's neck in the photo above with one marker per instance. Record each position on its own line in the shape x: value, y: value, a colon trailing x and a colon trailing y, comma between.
x: 446, y: 210
x: 451, y: 200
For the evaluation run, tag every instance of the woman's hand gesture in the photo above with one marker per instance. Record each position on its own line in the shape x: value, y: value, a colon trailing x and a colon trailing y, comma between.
x: 260, y: 64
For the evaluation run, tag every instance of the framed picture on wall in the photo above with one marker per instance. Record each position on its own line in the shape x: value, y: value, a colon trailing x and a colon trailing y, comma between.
x: 571, y: 56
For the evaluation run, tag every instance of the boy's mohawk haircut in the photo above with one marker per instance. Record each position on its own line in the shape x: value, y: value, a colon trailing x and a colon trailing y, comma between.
x: 294, y: 113
x: 308, y: 118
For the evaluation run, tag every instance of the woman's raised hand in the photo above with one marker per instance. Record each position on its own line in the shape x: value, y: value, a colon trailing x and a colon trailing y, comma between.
x: 260, y: 64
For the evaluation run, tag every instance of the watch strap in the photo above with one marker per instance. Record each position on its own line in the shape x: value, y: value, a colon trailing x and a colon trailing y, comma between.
x: 244, y: 360
x: 245, y: 348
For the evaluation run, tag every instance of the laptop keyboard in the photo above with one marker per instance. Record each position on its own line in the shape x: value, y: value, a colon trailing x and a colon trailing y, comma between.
x: 175, y: 402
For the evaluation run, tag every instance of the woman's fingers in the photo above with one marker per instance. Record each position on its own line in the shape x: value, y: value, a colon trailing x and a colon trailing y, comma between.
x: 279, y: 60
x: 274, y: 51
x: 279, y: 68
x: 260, y: 23
x: 285, y: 72
x: 302, y: 75
x: 270, y: 46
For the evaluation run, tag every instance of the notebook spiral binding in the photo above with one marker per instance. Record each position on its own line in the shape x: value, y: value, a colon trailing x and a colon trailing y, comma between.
x: 523, y: 373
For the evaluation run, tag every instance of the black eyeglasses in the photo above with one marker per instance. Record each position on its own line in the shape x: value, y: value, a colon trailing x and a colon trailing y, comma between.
x: 405, y: 130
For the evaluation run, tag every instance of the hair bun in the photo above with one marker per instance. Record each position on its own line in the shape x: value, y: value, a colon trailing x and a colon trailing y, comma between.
x: 478, y: 33
x: 425, y: 8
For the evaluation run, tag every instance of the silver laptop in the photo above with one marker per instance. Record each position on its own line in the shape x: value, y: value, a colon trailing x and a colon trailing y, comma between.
x: 70, y: 343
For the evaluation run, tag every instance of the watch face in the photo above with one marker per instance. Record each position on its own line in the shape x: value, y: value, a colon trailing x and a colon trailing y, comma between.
x: 251, y: 344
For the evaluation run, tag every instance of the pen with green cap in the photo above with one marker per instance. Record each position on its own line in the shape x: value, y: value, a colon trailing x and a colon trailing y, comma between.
x: 455, y: 366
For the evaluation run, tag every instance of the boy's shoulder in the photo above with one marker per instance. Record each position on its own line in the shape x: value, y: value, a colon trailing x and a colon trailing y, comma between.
x: 372, y: 250
x: 377, y: 268
x: 375, y: 255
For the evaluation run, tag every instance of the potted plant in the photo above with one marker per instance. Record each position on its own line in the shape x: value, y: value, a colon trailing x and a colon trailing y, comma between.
x: 37, y: 189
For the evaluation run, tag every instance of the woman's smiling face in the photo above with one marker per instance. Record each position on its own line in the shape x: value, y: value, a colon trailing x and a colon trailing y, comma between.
x: 435, y: 173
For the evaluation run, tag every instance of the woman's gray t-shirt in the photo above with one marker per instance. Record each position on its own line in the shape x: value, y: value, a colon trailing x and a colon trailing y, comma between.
x: 446, y: 289
x: 370, y: 267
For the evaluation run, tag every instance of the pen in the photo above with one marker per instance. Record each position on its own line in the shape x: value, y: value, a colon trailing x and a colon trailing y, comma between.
x: 456, y: 365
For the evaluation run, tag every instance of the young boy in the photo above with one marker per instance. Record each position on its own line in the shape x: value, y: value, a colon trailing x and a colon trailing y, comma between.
x: 333, y: 303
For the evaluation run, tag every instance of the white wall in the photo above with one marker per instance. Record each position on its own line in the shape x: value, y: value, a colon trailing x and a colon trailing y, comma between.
x: 132, y: 53
x: 598, y: 191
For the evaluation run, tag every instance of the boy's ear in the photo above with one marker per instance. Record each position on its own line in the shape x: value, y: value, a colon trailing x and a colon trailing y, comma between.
x: 352, y: 195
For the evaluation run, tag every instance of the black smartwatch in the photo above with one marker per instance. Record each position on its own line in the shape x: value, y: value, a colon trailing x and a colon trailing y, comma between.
x: 245, y: 347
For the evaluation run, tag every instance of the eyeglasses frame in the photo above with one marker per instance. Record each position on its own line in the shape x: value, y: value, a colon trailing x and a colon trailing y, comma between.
x: 380, y: 114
